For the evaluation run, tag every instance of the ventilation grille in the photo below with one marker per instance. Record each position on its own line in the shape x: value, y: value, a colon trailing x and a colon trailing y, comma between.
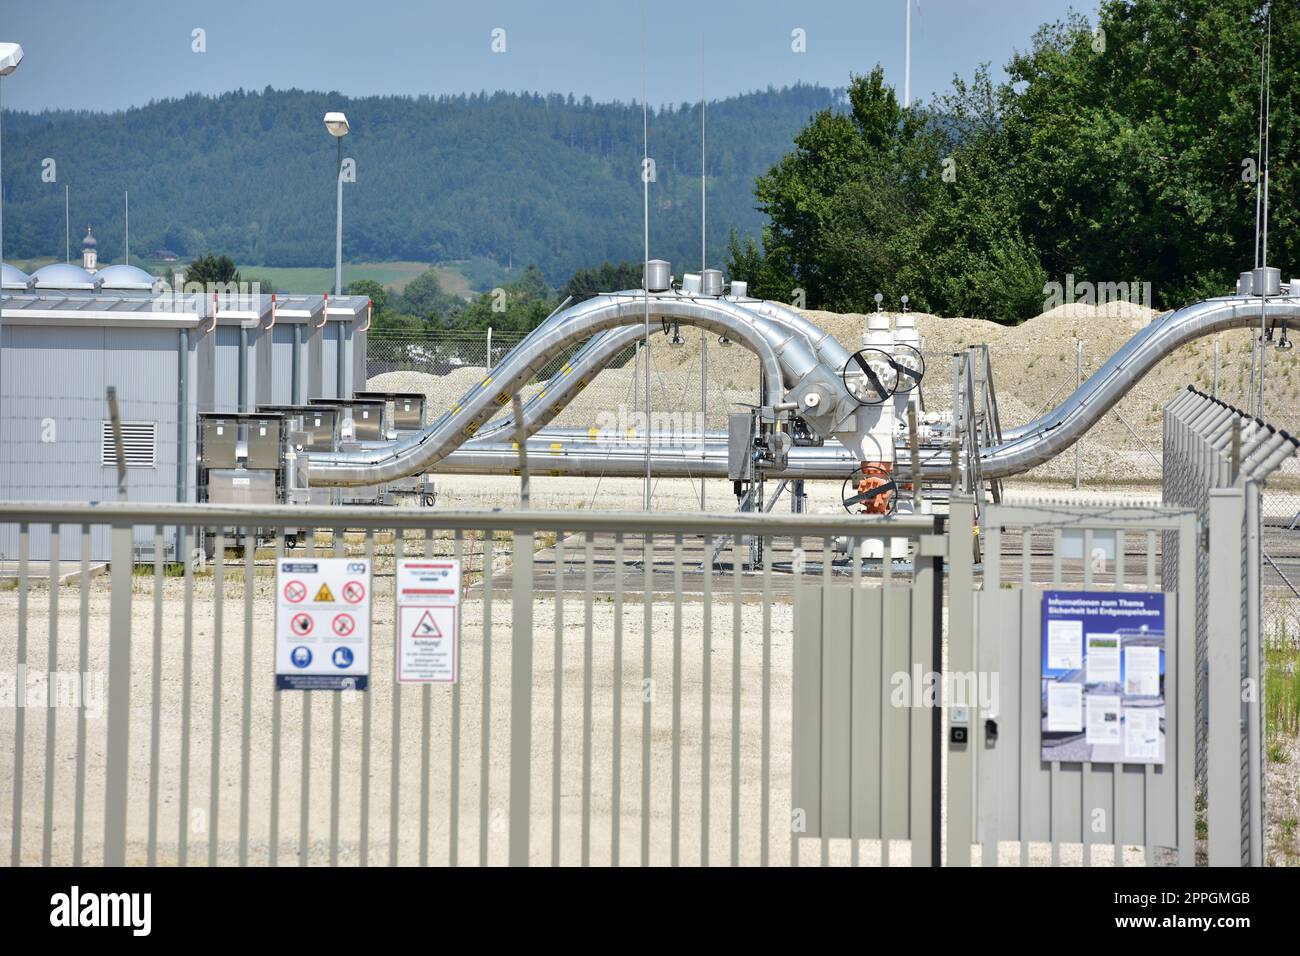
x: 139, y: 444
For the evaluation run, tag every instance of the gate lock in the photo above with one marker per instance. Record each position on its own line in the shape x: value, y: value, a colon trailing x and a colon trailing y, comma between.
x: 959, y: 725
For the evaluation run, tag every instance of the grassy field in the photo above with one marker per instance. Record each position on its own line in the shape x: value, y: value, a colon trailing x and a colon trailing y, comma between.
x: 392, y: 275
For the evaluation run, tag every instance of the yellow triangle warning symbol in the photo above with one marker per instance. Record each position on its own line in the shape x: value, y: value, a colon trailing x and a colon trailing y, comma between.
x: 324, y: 594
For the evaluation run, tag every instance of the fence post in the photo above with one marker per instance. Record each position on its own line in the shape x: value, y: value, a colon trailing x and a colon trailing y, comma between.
x: 117, y: 754
x: 521, y: 693
x: 1224, y: 705
x: 961, y: 662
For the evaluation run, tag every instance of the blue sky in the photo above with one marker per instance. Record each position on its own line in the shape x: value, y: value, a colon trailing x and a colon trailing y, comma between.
x: 112, y: 55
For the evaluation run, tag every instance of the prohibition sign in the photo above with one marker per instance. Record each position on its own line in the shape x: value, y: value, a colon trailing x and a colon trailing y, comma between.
x: 354, y: 592
x: 301, y: 624
x: 344, y: 625
x: 295, y: 591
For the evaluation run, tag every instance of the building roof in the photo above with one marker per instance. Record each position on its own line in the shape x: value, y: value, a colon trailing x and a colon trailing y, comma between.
x: 11, y: 277
x: 126, y: 277
x: 63, y: 275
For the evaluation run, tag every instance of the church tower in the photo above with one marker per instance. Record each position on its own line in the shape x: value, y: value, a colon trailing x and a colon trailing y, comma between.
x: 89, y: 255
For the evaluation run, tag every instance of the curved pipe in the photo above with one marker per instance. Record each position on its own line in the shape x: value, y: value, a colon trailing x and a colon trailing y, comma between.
x: 1048, y: 435
x: 419, y: 452
x: 825, y: 345
x: 543, y: 407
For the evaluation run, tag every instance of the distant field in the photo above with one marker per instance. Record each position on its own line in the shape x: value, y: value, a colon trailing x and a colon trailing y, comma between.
x: 391, y: 275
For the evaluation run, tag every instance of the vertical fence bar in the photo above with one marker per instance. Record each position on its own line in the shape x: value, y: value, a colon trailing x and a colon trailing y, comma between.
x: 557, y: 702
x: 737, y: 565
x: 647, y: 686
x: 155, y: 715
x: 363, y: 848
x: 426, y: 732
x: 616, y: 756
x: 485, y: 724
x: 218, y: 620
x: 587, y: 638
x: 961, y: 662
x: 395, y: 733
x: 336, y: 708
x: 453, y: 848
x: 83, y: 652
x: 117, y: 751
x: 20, y: 713
x: 765, y: 760
x: 676, y: 793
x: 187, y: 675
x: 246, y: 728
x: 706, y: 696
x: 52, y: 668
x: 521, y: 693
x: 277, y: 696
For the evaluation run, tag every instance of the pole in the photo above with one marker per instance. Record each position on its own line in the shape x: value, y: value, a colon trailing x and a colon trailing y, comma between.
x: 907, y: 55
x: 67, y: 224
x: 1215, y: 393
x: 704, y: 240
x: 338, y: 226
x: 126, y: 198
x: 645, y: 219
x: 1078, y: 381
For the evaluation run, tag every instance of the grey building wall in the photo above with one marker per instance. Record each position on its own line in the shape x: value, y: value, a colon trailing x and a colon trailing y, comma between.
x: 54, y: 380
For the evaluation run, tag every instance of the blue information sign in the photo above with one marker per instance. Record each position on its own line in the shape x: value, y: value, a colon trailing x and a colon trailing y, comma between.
x: 1103, y: 677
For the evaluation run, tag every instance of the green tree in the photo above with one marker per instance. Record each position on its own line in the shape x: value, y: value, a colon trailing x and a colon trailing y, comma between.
x: 424, y: 297
x: 607, y: 277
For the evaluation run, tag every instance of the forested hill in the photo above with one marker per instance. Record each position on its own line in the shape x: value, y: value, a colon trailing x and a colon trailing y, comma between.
x: 520, y: 178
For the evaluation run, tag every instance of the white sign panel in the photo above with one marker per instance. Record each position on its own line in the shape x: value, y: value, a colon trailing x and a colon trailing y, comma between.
x: 428, y: 621
x: 322, y: 624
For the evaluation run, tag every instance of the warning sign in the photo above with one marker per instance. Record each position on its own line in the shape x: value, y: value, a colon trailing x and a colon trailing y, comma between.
x: 428, y: 620
x: 324, y: 644
x: 426, y: 626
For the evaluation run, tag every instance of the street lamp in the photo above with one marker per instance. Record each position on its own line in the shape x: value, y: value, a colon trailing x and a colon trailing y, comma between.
x: 11, y: 54
x: 337, y: 124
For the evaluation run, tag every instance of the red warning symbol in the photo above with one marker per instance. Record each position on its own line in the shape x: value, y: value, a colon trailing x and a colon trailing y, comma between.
x: 301, y: 624
x: 426, y: 626
x: 344, y: 625
x: 354, y: 592
x: 295, y: 591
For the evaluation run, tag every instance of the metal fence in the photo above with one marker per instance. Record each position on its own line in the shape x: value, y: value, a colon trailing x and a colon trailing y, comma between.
x: 622, y: 698
x: 1217, y: 460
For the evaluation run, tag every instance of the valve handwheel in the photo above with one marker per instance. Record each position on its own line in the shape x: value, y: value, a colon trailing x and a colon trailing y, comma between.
x: 909, y: 364
x: 870, y: 376
x: 872, y: 493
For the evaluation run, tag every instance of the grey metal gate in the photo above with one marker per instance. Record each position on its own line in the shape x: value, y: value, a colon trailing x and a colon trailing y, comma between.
x: 1021, y: 798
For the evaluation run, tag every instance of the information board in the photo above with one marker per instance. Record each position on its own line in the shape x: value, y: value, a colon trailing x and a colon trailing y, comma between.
x: 322, y: 624
x: 428, y: 620
x: 1103, y: 677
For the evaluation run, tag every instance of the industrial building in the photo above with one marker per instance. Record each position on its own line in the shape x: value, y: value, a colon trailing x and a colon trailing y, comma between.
x: 68, y: 334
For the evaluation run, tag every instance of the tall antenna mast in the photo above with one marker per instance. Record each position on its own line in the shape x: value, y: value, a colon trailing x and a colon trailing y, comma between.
x: 67, y: 226
x: 1268, y: 103
x: 645, y: 220
x: 704, y: 244
x: 126, y: 199
x: 907, y: 54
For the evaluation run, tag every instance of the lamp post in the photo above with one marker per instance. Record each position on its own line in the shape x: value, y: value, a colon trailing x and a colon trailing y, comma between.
x: 337, y: 124
x: 11, y: 54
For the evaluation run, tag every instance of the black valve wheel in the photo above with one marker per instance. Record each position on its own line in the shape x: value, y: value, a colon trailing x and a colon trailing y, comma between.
x: 909, y: 364
x: 870, y: 376
x: 853, y: 500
